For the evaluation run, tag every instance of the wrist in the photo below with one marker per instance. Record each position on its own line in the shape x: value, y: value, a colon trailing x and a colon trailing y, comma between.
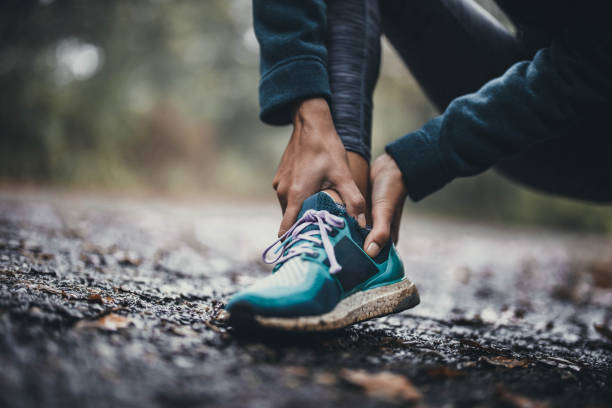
x: 312, y: 111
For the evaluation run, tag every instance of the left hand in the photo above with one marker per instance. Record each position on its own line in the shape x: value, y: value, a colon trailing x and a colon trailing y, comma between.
x: 388, y: 197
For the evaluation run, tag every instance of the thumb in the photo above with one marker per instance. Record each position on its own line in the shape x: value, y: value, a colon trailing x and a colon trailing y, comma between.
x: 382, y: 215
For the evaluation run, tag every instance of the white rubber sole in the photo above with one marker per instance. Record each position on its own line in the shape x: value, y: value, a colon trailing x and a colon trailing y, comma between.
x: 358, y: 307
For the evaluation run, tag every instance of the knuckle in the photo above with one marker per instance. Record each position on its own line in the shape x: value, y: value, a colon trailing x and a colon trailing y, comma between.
x: 281, y: 192
x: 382, y: 231
x: 358, y: 202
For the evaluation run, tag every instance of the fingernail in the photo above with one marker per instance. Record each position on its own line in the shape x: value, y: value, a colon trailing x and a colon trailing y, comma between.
x: 373, y: 249
x: 361, y: 219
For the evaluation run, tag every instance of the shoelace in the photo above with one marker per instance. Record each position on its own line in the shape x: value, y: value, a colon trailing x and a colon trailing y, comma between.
x: 326, y: 223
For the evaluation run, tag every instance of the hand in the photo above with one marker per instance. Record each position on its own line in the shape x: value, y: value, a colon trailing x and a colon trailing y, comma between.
x: 388, y: 196
x: 314, y: 160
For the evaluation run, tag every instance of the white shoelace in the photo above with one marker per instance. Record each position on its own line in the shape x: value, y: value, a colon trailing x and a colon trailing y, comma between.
x: 326, y: 223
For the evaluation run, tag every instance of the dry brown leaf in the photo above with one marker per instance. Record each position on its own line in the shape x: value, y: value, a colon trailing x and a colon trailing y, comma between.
x: 385, y: 385
x: 505, y: 362
x: 111, y: 322
x: 444, y: 371
x: 519, y: 401
x: 96, y: 297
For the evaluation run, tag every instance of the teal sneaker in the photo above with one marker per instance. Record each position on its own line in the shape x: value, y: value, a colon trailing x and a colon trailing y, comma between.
x: 322, y: 279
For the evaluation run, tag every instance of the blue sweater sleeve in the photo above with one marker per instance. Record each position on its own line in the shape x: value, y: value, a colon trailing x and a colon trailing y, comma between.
x: 293, y: 55
x: 563, y: 92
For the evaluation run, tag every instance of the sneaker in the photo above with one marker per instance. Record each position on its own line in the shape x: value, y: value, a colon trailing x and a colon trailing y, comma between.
x: 322, y: 279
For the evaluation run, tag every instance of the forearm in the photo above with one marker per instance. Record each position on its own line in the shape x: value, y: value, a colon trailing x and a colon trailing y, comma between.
x: 558, y: 94
x: 293, y: 55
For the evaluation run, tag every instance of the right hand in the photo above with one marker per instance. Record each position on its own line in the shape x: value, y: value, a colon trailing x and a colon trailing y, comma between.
x: 314, y: 160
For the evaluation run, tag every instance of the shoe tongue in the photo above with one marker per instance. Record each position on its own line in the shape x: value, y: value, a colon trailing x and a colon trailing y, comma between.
x: 322, y: 201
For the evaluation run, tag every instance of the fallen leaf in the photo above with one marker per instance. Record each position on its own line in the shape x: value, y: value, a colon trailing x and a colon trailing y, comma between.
x: 111, y: 322
x: 50, y: 289
x: 560, y: 362
x: 518, y: 401
x: 385, y: 385
x: 96, y: 297
x: 505, y: 362
x: 444, y: 371
x: 467, y: 364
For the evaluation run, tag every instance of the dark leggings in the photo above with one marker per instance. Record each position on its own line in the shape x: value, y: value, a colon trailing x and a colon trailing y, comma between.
x: 452, y: 47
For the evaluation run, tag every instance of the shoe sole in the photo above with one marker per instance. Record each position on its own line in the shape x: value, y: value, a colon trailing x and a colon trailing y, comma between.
x: 358, y: 307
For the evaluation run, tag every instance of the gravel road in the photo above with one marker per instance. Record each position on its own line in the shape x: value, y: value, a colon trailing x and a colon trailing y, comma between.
x: 109, y: 301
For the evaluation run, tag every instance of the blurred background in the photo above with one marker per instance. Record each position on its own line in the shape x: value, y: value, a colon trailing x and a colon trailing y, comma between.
x: 160, y: 97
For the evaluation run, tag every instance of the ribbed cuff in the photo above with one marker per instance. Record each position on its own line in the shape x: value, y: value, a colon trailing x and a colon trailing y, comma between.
x: 288, y: 83
x: 419, y: 158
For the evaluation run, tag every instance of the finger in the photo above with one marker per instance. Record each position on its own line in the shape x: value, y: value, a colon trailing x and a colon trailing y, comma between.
x: 382, y: 215
x: 353, y: 199
x: 395, y: 224
x: 289, y: 217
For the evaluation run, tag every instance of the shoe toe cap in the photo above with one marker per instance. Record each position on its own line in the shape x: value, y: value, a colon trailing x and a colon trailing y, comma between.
x: 314, y: 298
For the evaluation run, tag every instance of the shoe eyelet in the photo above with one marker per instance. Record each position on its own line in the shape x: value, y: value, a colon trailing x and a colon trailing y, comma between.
x: 333, y: 232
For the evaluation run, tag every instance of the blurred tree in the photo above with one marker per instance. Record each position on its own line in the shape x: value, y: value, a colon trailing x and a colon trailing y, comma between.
x: 83, y: 79
x: 155, y: 94
x: 29, y: 30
